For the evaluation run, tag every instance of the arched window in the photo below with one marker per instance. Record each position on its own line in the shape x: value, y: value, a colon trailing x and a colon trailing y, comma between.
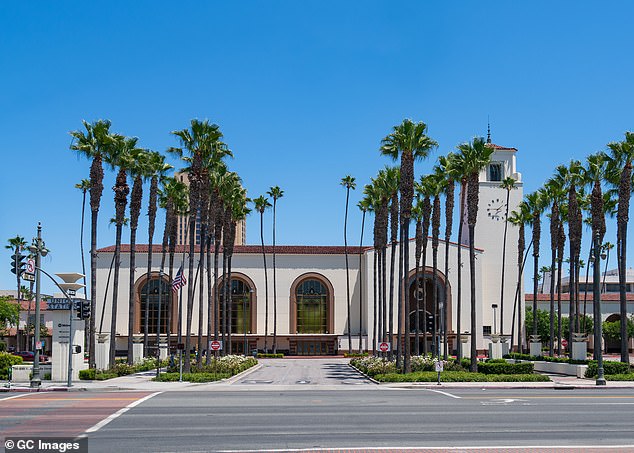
x: 311, y: 297
x: 149, y: 297
x: 240, y: 308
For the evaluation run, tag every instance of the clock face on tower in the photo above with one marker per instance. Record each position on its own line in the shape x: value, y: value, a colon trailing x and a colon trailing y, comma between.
x: 496, y: 209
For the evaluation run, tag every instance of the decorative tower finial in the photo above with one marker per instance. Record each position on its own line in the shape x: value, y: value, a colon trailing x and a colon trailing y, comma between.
x: 488, y: 130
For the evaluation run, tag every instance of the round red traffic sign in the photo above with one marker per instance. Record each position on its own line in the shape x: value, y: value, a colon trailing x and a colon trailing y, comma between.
x: 215, y: 345
x: 384, y: 347
x: 564, y: 343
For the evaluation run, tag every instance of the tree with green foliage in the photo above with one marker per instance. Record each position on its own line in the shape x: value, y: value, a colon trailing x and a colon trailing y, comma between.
x: 9, y: 312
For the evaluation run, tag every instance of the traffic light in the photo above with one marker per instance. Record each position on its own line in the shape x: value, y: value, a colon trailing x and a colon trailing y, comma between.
x: 78, y: 307
x: 85, y: 309
x: 18, y: 264
x: 429, y: 323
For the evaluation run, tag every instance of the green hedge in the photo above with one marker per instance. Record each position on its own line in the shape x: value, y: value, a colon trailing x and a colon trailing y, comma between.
x: 542, y: 358
x: 459, y: 376
x: 7, y: 360
x: 620, y: 377
x: 505, y: 368
x: 609, y: 367
x: 262, y: 355
x: 192, y: 377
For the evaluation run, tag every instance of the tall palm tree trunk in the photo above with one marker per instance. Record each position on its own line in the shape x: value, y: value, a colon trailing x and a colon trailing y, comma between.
x: 190, y: 291
x: 266, y: 286
x: 135, y: 210
x: 625, y: 188
x: 463, y: 192
x: 274, y: 282
x: 151, y: 227
x: 96, y: 188
x: 406, y: 306
x: 376, y: 304
x: 345, y: 249
x: 360, y: 284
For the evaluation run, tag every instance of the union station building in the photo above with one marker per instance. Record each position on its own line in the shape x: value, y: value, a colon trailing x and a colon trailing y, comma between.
x: 311, y: 292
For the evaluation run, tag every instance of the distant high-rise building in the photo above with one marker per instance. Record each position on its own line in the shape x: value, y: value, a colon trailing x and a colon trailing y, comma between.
x: 182, y: 236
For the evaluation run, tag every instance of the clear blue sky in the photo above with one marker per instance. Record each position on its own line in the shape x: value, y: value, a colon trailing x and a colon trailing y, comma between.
x: 303, y: 91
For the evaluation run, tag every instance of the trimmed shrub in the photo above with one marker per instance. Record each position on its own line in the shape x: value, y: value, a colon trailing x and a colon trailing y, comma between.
x: 609, y: 368
x: 269, y: 355
x: 495, y: 367
x: 352, y: 354
x: 87, y: 375
x: 460, y: 376
x: 7, y: 360
x: 192, y: 377
x: 620, y: 377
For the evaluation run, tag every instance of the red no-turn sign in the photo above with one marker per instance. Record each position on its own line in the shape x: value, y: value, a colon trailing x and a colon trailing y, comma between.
x: 215, y: 345
x: 564, y: 343
x: 384, y: 346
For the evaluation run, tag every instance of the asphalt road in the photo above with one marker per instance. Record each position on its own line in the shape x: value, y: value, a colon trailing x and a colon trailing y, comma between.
x: 378, y: 418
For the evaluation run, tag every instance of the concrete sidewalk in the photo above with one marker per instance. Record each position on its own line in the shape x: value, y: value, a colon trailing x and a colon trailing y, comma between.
x: 143, y: 381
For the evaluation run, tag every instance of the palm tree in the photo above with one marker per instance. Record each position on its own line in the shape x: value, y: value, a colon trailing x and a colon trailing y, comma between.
x: 605, y: 248
x: 84, y: 186
x: 460, y: 172
x: 121, y: 157
x: 435, y: 234
x: 383, y: 193
x: 220, y: 177
x: 508, y: 184
x: 426, y: 189
x: 596, y: 173
x: 138, y: 171
x: 621, y: 155
x: 417, y: 214
x: 173, y: 197
x: 276, y: 193
x: 364, y: 206
x: 520, y: 218
x: 158, y: 168
x: 200, y: 141
x: 390, y: 185
x: 262, y: 204
x: 543, y: 270
x: 348, y: 183
x: 95, y: 143
x: 535, y: 206
x: 447, y: 170
x: 552, y: 193
x: 408, y: 141
x: 476, y: 156
x: 370, y: 200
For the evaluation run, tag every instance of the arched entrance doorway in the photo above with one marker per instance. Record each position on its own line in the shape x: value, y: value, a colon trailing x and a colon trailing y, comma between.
x: 312, y: 316
x: 425, y: 306
x: 240, y: 319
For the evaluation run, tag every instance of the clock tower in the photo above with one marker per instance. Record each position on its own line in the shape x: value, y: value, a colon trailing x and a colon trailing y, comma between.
x: 495, y: 203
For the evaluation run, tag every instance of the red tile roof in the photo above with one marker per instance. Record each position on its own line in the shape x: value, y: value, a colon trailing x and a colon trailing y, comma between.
x: 501, y: 148
x: 24, y: 304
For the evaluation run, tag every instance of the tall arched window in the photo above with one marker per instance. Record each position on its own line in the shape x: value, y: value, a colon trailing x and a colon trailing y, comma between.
x: 149, y: 297
x: 311, y: 297
x: 240, y: 308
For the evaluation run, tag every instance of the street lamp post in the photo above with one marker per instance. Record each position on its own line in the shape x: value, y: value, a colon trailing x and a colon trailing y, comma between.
x: 596, y: 302
x: 39, y: 250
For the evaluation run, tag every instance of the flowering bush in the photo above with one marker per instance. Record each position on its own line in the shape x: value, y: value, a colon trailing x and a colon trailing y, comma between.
x: 374, y: 365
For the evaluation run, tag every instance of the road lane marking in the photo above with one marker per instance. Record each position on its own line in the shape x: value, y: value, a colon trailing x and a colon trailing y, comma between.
x: 531, y: 448
x: 16, y: 396
x: 444, y: 393
x: 120, y: 412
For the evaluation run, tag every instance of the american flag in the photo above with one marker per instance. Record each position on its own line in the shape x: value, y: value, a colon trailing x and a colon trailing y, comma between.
x: 179, y: 280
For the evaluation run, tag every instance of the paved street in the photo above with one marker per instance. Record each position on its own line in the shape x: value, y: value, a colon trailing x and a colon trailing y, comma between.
x: 323, y: 405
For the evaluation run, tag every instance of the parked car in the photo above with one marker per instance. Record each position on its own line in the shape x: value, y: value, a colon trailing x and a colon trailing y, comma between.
x: 29, y: 356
